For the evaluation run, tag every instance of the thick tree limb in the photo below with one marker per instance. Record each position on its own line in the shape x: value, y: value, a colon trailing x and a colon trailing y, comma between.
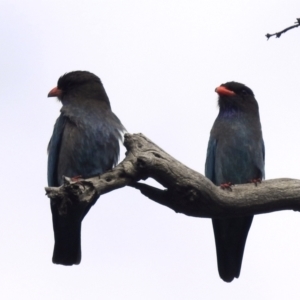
x: 187, y: 191
x: 278, y: 34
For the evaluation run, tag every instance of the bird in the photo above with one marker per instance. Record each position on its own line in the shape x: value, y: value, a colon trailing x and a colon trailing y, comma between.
x: 84, y: 143
x: 235, y: 155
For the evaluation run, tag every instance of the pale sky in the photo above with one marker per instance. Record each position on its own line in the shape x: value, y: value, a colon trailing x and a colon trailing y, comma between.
x: 160, y: 62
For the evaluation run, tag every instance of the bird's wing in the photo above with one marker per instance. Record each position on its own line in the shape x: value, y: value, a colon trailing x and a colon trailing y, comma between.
x: 230, y: 234
x: 263, y: 149
x: 53, y: 149
x: 210, y: 159
x: 259, y: 160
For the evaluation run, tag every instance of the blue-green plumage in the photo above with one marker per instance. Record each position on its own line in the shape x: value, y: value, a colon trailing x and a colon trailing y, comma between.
x: 235, y: 154
x: 85, y: 142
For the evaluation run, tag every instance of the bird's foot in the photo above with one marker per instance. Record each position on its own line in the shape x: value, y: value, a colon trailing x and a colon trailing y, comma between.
x: 226, y: 186
x: 255, y: 181
x: 76, y: 178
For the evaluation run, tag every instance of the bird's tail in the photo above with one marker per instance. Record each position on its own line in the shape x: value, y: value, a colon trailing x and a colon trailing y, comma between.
x: 67, y: 235
x: 230, y: 237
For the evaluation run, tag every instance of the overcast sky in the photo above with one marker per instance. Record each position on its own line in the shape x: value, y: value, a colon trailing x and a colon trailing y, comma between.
x: 160, y: 62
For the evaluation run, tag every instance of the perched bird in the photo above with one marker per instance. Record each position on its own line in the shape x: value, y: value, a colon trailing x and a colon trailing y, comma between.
x: 235, y: 155
x: 85, y: 143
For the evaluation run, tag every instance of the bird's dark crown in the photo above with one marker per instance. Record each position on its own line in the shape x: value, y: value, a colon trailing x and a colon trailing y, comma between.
x: 76, y: 78
x: 81, y: 85
x: 238, y: 88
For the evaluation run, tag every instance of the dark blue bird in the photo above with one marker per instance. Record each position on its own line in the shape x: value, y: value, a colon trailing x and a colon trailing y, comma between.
x: 85, y: 142
x: 235, y: 154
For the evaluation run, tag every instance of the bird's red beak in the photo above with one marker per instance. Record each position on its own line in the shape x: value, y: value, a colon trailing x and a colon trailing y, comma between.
x: 223, y: 91
x: 55, y: 92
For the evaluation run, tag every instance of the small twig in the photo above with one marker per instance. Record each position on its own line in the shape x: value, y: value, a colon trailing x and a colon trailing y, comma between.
x: 278, y: 34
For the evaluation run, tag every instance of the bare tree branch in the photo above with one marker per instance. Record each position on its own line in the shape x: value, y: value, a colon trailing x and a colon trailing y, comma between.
x: 278, y: 34
x: 186, y: 191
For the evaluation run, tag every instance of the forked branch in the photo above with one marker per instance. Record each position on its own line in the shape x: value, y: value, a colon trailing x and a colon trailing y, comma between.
x: 186, y: 191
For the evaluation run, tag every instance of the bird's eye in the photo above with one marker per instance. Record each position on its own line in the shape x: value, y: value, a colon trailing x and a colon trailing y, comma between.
x: 244, y: 92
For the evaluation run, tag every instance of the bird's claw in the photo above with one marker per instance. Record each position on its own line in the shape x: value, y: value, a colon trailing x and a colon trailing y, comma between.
x: 255, y: 181
x: 76, y: 178
x: 226, y: 186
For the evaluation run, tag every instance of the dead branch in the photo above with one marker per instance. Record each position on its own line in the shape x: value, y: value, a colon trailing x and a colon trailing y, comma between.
x: 186, y: 191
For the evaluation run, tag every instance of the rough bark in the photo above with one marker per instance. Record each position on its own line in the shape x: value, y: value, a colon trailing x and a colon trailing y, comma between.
x: 186, y: 191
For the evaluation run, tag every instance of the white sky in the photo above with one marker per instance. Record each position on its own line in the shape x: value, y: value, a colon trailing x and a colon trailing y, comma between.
x: 160, y: 62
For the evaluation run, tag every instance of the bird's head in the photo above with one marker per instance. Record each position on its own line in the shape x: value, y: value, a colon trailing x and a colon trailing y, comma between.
x: 235, y: 96
x: 79, y: 84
